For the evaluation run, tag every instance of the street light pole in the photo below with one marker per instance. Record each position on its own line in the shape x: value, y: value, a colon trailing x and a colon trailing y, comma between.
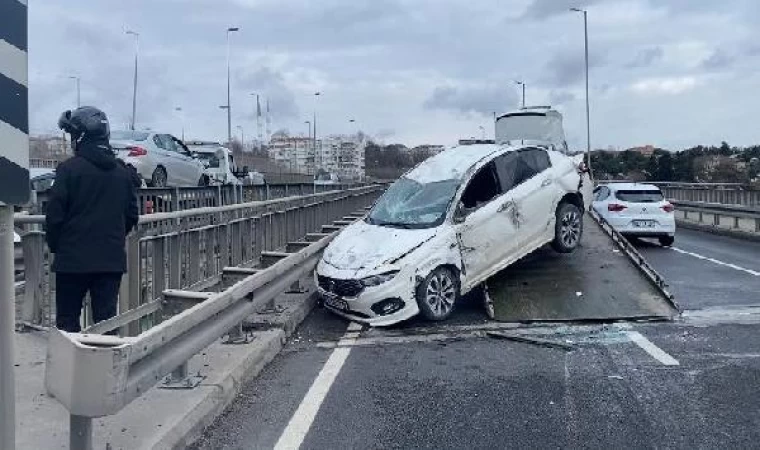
x: 588, y: 114
x: 521, y: 83
x: 134, y: 86
x: 79, y: 92
x: 242, y: 136
x: 229, y: 107
x: 182, y: 118
x: 314, y: 127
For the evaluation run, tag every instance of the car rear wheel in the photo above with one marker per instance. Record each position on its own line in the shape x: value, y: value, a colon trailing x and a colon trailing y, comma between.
x: 158, y: 179
x: 568, y: 228
x: 667, y: 241
x: 437, y: 294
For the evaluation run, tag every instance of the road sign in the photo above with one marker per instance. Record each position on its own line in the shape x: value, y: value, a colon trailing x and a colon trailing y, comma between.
x: 14, y: 105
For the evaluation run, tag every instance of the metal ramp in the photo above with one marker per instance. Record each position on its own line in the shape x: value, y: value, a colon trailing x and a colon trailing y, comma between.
x: 605, y: 279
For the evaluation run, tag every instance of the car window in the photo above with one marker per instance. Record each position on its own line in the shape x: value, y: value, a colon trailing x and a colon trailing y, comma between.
x: 507, y: 166
x: 482, y: 188
x: 640, y: 196
x: 159, y: 141
x: 536, y: 159
x: 602, y: 193
x: 169, y: 143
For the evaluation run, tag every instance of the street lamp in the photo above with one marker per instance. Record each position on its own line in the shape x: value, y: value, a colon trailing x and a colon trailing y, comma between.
x: 229, y: 107
x: 521, y: 83
x: 134, y: 86
x: 242, y: 136
x: 79, y: 97
x: 182, y: 118
x: 588, y: 120
x: 314, y: 124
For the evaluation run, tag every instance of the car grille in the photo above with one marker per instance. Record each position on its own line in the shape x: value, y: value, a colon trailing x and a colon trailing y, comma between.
x: 344, y: 288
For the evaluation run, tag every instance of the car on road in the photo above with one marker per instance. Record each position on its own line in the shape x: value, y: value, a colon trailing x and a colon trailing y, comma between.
x: 160, y: 159
x: 636, y: 210
x: 220, y: 167
x: 448, y: 225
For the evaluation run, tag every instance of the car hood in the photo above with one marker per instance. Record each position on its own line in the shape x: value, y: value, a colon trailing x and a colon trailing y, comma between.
x: 362, y: 246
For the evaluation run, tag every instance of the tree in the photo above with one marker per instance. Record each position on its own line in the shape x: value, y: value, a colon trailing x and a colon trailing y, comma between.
x: 665, y: 170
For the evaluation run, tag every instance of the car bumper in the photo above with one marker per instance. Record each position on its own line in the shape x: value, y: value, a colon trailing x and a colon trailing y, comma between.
x: 402, y: 287
x: 143, y: 165
x: 663, y: 227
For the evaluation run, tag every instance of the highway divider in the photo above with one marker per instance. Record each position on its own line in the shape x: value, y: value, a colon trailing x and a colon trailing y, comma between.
x: 730, y: 220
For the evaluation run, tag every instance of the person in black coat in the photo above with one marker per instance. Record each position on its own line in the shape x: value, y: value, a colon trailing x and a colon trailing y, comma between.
x: 91, y: 210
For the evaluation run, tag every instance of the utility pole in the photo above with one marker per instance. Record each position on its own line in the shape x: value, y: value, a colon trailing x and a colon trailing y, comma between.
x: 134, y: 83
x: 588, y: 113
x: 314, y: 125
x: 229, y: 107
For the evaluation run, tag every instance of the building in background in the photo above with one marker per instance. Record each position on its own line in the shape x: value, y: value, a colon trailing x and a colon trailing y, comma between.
x: 340, y: 155
x: 46, y: 151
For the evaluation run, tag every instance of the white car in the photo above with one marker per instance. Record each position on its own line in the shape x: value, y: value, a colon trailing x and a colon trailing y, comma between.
x: 220, y: 167
x: 638, y: 210
x: 448, y: 225
x: 160, y: 159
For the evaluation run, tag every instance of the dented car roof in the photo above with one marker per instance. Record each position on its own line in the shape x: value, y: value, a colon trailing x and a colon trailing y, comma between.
x: 452, y: 163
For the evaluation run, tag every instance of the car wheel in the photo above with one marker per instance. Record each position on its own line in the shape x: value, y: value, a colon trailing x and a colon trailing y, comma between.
x: 569, y: 228
x: 158, y: 179
x: 437, y: 294
x: 667, y: 241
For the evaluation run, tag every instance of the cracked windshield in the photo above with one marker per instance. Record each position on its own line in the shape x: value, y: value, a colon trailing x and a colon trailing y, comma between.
x: 328, y: 224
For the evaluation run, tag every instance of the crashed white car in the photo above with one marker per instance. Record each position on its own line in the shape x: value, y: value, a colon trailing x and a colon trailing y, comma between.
x: 448, y: 225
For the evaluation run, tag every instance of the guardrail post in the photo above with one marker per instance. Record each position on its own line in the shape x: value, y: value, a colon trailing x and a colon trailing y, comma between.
x: 80, y: 432
x: 129, y: 292
x: 33, y: 244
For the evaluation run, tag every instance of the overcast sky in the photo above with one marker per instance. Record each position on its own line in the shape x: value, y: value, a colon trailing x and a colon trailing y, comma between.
x: 672, y: 73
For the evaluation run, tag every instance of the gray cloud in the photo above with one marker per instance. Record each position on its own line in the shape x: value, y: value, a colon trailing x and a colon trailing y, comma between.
x: 719, y: 59
x: 567, y: 68
x: 561, y: 97
x: 646, y: 57
x: 473, y: 99
x: 543, y: 9
x: 269, y: 84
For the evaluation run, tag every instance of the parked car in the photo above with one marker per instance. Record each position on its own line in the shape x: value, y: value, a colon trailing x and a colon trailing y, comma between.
x: 637, y: 210
x: 448, y: 225
x: 160, y: 159
x: 220, y: 167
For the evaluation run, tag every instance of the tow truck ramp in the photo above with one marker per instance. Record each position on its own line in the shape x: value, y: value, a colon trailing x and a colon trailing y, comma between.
x: 605, y: 279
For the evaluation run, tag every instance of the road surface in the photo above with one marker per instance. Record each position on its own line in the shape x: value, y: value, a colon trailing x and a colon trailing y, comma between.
x: 688, y: 384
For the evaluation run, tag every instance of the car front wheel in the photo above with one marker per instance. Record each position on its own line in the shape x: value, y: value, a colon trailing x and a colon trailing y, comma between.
x: 437, y: 294
x: 568, y: 228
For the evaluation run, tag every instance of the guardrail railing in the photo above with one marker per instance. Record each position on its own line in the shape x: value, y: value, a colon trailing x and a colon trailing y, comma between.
x: 722, y: 193
x: 184, y: 249
x: 741, y: 221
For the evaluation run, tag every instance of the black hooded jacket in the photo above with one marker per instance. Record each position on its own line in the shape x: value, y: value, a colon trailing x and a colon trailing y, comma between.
x: 92, y: 208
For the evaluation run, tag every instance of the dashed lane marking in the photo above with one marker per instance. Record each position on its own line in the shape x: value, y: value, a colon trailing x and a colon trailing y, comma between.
x: 717, y: 261
x: 653, y: 350
x: 299, y: 425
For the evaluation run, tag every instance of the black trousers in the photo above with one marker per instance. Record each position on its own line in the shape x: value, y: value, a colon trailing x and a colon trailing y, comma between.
x: 70, y: 289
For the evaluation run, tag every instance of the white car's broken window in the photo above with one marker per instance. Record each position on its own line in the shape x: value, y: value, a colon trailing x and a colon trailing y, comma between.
x: 411, y: 204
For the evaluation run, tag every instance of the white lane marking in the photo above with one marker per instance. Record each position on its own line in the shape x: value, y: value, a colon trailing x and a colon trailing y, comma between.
x: 653, y: 350
x: 295, y: 432
x: 717, y: 261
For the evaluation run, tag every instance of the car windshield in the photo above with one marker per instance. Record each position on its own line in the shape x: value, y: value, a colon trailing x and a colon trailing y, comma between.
x: 128, y: 135
x: 640, y: 196
x: 411, y: 204
x: 210, y: 160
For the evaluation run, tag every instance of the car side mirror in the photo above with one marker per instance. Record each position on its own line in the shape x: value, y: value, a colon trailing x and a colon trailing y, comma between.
x: 460, y: 214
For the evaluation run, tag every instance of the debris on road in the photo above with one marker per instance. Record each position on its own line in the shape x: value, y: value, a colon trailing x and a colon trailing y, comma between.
x: 531, y: 340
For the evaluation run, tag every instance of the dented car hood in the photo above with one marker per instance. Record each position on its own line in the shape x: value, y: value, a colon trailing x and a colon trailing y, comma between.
x: 365, y: 247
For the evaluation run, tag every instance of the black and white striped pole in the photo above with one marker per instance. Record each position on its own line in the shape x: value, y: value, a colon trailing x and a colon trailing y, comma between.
x: 14, y: 189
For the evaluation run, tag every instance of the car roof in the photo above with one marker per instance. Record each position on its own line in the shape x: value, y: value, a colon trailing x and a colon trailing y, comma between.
x: 454, y: 162
x: 631, y: 186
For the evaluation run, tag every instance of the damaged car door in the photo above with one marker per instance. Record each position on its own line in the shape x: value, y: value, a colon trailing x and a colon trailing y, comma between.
x: 486, y: 230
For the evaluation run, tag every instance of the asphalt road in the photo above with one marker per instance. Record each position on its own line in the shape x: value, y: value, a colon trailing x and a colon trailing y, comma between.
x: 667, y: 385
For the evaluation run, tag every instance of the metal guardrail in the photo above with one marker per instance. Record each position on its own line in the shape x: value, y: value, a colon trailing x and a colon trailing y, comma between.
x: 178, y: 199
x: 185, y: 249
x: 739, y: 221
x: 94, y: 375
x: 719, y: 193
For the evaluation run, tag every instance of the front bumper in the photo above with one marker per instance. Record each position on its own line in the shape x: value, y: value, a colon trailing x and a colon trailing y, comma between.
x: 402, y: 286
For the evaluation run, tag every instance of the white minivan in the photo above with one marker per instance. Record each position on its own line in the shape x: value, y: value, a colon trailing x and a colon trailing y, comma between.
x: 448, y: 225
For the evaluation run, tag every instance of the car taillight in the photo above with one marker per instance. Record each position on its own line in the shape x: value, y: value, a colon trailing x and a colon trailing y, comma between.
x: 137, y: 151
x: 668, y: 208
x: 615, y: 207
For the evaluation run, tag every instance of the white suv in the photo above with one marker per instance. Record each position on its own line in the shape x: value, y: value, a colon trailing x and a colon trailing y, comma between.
x: 447, y: 226
x: 638, y: 210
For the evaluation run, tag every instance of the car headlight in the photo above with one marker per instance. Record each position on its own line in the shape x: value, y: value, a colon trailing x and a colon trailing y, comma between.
x: 376, y: 280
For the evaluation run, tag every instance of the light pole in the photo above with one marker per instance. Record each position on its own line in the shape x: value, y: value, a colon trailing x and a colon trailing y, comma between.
x: 182, y: 118
x: 229, y: 107
x: 242, y: 136
x: 314, y: 127
x: 134, y: 85
x: 79, y: 96
x: 588, y: 114
x: 258, y: 117
x: 521, y: 83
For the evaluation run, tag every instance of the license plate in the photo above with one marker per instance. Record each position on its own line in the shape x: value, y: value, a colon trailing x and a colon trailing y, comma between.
x: 336, y: 302
x: 644, y: 223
